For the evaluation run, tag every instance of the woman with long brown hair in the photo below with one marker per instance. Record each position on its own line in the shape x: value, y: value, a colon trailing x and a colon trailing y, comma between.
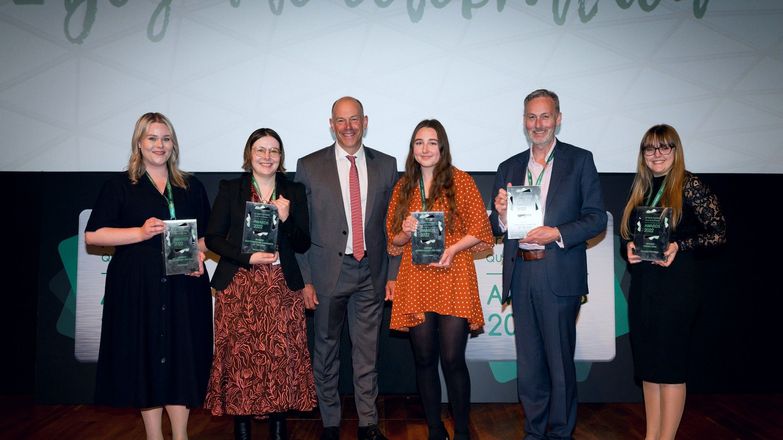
x: 438, y: 303
x: 663, y: 298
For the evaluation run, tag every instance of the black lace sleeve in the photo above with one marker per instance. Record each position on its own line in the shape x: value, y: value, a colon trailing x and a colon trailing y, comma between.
x: 707, y: 210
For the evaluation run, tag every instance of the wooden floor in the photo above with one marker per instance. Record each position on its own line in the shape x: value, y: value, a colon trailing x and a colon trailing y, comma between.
x: 713, y: 417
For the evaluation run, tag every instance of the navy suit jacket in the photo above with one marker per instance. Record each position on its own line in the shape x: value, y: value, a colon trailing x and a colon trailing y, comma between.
x: 574, y: 205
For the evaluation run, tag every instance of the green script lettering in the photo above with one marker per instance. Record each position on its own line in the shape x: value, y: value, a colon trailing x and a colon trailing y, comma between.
x: 80, y: 15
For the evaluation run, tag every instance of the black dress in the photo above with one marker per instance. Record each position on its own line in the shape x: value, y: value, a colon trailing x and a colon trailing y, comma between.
x: 663, y: 301
x: 156, y: 335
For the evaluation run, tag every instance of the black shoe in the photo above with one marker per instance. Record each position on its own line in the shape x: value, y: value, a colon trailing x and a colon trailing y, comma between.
x: 277, y: 427
x: 242, y: 425
x: 461, y: 436
x: 330, y: 433
x: 370, y: 432
x: 437, y: 433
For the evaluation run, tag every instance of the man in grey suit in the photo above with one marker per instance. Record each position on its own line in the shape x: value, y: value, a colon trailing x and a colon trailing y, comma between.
x: 545, y: 274
x: 345, y: 270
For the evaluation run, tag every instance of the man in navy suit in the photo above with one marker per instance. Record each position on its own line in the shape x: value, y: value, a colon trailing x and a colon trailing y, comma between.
x: 545, y: 274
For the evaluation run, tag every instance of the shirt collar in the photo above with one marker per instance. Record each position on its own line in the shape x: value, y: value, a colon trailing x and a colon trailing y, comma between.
x: 340, y: 152
x: 531, y: 160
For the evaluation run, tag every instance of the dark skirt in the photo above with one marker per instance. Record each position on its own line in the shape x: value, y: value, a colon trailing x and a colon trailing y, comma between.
x: 662, y: 307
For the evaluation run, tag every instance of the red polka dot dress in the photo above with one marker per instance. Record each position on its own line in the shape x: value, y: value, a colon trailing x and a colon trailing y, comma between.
x: 447, y: 291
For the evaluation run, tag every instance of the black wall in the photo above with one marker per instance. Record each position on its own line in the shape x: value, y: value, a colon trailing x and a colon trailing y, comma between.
x: 736, y: 336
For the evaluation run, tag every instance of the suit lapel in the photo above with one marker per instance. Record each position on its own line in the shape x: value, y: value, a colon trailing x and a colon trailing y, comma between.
x: 561, y: 168
x: 331, y: 179
x: 372, y: 177
x: 520, y: 172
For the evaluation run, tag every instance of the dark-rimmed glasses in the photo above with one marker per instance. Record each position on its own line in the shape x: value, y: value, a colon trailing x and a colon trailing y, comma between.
x: 664, y: 149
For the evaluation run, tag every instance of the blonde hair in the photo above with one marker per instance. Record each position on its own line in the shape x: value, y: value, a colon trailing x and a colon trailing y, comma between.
x: 657, y: 136
x: 136, y: 167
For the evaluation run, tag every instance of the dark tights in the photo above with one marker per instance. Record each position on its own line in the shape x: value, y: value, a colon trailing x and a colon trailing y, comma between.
x: 444, y: 337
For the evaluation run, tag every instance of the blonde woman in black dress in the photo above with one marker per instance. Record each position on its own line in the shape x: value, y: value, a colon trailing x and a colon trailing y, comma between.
x: 156, y: 336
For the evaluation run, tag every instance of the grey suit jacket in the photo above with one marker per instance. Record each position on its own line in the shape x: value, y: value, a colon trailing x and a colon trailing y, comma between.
x: 574, y: 205
x: 321, y: 264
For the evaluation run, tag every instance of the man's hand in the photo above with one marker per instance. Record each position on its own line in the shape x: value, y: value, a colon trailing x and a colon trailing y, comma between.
x: 310, y: 299
x: 542, y: 235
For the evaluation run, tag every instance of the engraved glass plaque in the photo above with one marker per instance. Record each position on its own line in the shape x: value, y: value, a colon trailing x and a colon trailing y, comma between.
x: 180, y: 246
x: 524, y: 211
x: 429, y: 238
x: 651, y: 232
x: 259, y: 233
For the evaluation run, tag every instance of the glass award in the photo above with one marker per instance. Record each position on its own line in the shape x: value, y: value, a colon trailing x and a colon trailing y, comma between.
x: 180, y: 246
x: 651, y: 232
x: 524, y: 211
x: 429, y: 238
x: 259, y: 233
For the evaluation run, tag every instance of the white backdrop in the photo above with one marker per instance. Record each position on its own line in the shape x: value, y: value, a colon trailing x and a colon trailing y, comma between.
x: 73, y: 82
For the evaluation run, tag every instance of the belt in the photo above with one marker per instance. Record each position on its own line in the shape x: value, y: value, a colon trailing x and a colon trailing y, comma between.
x: 530, y: 254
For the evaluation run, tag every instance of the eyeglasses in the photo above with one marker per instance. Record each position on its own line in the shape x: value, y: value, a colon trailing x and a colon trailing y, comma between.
x: 664, y: 149
x: 262, y: 152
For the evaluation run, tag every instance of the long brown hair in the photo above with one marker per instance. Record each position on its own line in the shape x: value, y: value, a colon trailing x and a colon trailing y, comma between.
x: 136, y: 167
x: 442, y: 179
x: 656, y: 136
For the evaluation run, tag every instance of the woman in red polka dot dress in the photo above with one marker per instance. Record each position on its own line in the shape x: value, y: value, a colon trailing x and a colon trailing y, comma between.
x: 439, y: 302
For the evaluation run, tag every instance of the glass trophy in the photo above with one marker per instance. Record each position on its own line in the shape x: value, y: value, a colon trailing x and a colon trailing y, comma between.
x: 651, y: 232
x: 259, y: 233
x: 429, y: 238
x: 524, y: 211
x: 180, y: 246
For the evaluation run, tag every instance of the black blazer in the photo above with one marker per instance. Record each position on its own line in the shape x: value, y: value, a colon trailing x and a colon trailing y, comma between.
x: 224, y: 230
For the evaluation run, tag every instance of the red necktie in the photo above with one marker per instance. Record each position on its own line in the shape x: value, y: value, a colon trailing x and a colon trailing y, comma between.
x: 357, y: 226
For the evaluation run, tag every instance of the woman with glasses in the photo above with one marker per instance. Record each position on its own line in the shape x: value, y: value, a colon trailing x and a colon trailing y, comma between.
x: 261, y: 365
x: 663, y: 298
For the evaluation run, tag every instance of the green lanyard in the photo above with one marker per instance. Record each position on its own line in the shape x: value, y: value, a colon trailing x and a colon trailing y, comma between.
x: 658, y: 195
x: 540, y: 176
x: 273, y: 196
x: 169, y: 196
x: 421, y: 190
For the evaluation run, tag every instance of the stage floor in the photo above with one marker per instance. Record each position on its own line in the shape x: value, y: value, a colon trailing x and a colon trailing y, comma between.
x: 714, y: 417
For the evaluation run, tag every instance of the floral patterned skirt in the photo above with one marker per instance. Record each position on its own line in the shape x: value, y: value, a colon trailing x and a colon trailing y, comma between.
x: 261, y: 363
